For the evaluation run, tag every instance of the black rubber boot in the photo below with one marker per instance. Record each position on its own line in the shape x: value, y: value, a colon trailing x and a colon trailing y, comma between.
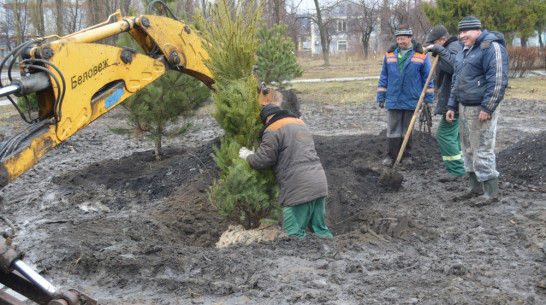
x: 490, y: 195
x: 476, y: 186
x: 491, y: 188
x: 393, y: 147
x: 475, y: 189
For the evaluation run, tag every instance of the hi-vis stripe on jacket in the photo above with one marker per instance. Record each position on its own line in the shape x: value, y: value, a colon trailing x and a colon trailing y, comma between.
x: 288, y: 147
x: 403, y: 91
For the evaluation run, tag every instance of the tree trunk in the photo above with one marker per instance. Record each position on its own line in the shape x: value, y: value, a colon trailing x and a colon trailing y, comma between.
x: 365, y: 45
x: 157, y: 149
x: 323, y: 39
x: 60, y: 17
x: 17, y: 16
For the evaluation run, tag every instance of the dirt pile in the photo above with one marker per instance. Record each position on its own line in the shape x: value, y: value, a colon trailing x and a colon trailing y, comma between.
x: 523, y: 163
x: 137, y: 231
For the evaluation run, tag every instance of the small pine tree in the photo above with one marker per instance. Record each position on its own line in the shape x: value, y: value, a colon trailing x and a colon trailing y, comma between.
x: 241, y: 193
x: 276, y: 56
x: 161, y: 103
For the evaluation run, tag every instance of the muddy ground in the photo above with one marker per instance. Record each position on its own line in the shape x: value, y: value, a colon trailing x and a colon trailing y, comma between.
x: 100, y: 215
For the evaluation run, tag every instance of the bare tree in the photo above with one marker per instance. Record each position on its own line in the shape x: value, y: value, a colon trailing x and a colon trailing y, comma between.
x: 16, y: 18
x: 35, y: 9
x: 364, y: 20
x: 323, y: 34
x: 410, y: 12
x: 74, y: 16
x: 59, y: 18
x: 274, y: 12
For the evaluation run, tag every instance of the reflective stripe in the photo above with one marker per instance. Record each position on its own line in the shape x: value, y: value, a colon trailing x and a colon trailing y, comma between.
x: 418, y: 60
x: 381, y: 89
x: 452, y: 158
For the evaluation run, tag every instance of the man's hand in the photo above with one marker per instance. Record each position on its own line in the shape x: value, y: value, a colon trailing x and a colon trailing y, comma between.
x: 484, y: 116
x: 245, y: 152
x: 450, y: 115
x: 434, y: 48
x: 381, y: 104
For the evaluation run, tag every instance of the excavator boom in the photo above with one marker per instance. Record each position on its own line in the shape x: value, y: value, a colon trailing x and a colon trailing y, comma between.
x: 77, y: 79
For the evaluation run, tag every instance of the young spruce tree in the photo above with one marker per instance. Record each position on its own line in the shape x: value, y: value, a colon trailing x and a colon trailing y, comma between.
x: 241, y: 193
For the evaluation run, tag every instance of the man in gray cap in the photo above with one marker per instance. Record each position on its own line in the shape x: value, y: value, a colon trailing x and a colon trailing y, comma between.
x: 447, y: 133
x: 479, y: 82
x: 403, y: 76
x: 286, y: 146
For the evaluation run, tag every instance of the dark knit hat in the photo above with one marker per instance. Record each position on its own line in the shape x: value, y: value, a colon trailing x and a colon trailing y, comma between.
x: 268, y: 110
x: 436, y: 33
x: 470, y: 23
x: 403, y: 30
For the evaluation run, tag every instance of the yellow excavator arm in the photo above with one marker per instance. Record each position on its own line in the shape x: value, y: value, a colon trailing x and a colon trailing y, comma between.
x: 77, y: 79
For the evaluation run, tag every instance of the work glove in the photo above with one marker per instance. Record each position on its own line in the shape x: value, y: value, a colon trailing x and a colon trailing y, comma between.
x: 381, y: 104
x: 434, y: 49
x: 245, y: 152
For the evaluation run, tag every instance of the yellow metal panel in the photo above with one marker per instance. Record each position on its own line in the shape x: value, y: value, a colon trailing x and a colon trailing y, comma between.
x: 89, y: 68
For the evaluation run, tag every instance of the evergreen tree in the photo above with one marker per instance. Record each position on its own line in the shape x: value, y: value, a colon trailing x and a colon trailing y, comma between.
x: 276, y: 56
x: 449, y: 13
x: 241, y: 193
x: 162, y: 103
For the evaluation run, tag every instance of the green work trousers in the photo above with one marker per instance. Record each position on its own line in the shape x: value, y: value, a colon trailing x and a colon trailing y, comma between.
x: 447, y: 136
x: 306, y: 215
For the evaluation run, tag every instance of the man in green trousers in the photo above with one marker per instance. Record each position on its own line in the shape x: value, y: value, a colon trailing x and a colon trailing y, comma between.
x: 286, y: 146
x: 447, y: 133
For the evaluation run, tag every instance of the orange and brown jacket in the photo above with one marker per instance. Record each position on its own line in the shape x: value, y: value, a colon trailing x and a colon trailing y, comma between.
x: 288, y: 148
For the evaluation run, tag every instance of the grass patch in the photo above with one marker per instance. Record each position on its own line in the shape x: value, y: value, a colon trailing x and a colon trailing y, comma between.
x: 531, y: 88
x: 7, y: 111
x: 340, y: 67
x: 337, y: 92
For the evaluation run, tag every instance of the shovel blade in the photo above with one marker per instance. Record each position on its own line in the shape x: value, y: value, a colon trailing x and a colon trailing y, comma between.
x: 390, y: 179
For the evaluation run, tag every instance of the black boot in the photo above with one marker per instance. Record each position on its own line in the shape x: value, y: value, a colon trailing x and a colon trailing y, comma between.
x: 491, y: 194
x: 475, y: 188
x: 491, y: 188
x: 393, y: 147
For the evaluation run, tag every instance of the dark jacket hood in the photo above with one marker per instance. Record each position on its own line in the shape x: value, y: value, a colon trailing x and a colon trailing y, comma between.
x: 490, y: 36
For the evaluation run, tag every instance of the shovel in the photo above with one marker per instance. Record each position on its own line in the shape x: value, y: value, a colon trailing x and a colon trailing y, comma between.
x: 390, y: 177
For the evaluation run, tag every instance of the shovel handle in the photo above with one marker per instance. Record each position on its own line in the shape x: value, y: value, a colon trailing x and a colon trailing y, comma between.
x: 414, y: 117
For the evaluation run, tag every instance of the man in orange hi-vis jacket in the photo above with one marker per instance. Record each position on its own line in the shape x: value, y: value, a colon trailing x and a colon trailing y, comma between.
x: 405, y: 72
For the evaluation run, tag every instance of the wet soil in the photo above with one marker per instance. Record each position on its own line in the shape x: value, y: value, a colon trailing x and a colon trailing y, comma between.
x: 101, y: 215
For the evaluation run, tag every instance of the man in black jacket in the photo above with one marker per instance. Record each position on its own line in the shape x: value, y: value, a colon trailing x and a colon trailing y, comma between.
x: 447, y: 133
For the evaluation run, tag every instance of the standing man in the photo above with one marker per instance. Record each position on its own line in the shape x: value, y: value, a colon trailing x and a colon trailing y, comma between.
x: 286, y: 145
x: 479, y: 82
x: 404, y: 73
x: 447, y: 133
